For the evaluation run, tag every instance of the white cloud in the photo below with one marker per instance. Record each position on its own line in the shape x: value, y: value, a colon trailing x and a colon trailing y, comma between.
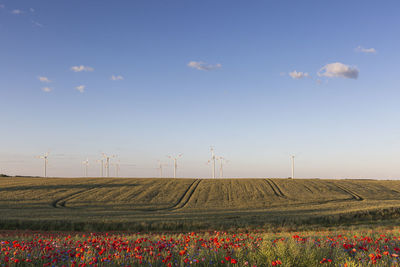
x: 365, y: 50
x: 17, y: 12
x: 47, y: 89
x: 203, y: 66
x: 37, y: 23
x: 81, y: 68
x: 117, y: 77
x: 338, y: 69
x: 44, y: 79
x: 298, y: 75
x: 31, y: 10
x: 2, y: 6
x: 81, y: 88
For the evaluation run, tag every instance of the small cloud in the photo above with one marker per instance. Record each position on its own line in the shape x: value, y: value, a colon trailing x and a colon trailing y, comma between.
x: 47, y: 89
x: 203, y: 66
x: 298, y: 75
x: 44, y: 79
x: 117, y: 77
x: 81, y: 68
x: 17, y: 12
x: 37, y: 23
x: 365, y: 50
x: 338, y: 69
x: 81, y: 88
x: 2, y: 6
x: 31, y: 10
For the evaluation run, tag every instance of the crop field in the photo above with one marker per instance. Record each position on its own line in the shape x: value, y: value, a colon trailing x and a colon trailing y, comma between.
x: 186, y: 204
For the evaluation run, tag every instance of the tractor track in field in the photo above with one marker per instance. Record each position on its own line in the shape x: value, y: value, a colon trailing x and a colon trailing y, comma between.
x: 275, y: 188
x: 350, y: 192
x: 353, y: 195
x: 182, y: 201
x: 60, y: 203
x: 309, y: 189
x: 187, y: 195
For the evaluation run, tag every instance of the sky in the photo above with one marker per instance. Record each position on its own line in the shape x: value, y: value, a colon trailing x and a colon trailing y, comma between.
x: 258, y: 80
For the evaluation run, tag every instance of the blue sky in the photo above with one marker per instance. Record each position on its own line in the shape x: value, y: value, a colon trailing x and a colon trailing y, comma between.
x: 259, y: 80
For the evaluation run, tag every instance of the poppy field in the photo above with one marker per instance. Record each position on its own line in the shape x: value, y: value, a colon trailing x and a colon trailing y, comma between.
x: 380, y: 247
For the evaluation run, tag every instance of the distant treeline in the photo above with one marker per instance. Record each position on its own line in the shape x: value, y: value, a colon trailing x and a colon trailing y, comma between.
x: 20, y: 176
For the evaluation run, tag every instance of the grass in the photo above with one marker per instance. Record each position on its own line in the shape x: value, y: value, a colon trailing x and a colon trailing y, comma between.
x: 193, y: 204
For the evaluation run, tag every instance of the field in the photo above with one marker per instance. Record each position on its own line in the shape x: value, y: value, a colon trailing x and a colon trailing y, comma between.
x: 346, y: 248
x: 105, y: 204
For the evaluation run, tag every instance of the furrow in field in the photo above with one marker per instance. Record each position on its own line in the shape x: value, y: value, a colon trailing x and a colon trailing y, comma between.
x: 372, y: 190
x: 61, y: 202
x: 182, y: 201
x: 352, y: 193
x: 308, y: 189
x: 275, y: 188
x: 211, y: 194
x: 278, y: 188
x: 187, y: 195
x: 331, y: 189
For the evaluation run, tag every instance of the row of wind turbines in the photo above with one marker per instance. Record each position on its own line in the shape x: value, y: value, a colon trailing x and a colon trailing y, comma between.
x: 105, y: 163
x: 212, y: 161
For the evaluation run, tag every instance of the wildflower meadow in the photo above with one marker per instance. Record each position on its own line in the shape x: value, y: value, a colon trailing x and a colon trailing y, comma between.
x: 379, y: 247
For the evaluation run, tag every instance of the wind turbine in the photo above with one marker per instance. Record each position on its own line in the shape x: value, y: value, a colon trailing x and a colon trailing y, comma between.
x: 212, y: 161
x: 107, y: 158
x: 160, y: 167
x: 292, y: 157
x: 117, y: 168
x: 175, y: 159
x: 102, y: 166
x: 222, y: 161
x: 45, y: 158
x: 86, y: 163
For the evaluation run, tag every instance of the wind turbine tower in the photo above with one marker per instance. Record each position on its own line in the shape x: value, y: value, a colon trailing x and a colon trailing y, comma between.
x: 160, y: 168
x: 117, y: 168
x: 45, y: 158
x: 292, y: 157
x: 107, y: 158
x: 175, y: 159
x: 222, y: 161
x: 102, y: 167
x: 86, y: 163
x: 213, y: 161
